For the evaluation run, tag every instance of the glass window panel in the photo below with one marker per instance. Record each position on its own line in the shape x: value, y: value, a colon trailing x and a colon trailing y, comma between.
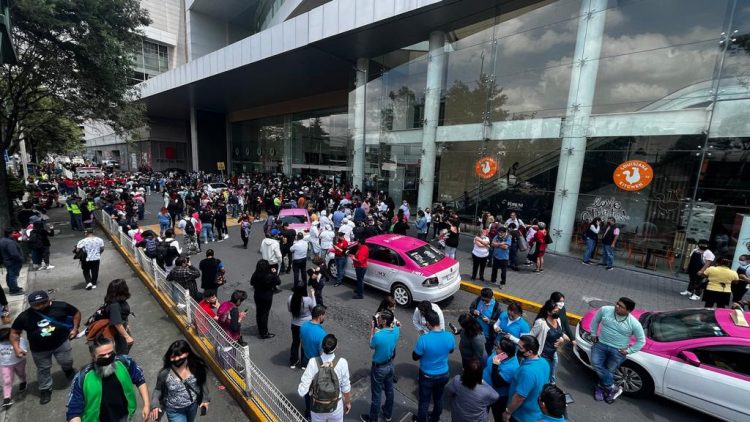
x: 537, y: 16
x: 403, y: 102
x: 735, y: 73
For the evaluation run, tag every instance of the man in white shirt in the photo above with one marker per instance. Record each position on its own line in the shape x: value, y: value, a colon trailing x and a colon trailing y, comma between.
x: 94, y: 246
x: 341, y: 368
x: 270, y: 249
x: 299, y: 259
x: 514, y: 219
x: 418, y: 318
x: 347, y: 227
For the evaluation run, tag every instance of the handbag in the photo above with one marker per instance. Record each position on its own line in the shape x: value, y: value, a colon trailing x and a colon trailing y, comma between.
x: 80, y: 254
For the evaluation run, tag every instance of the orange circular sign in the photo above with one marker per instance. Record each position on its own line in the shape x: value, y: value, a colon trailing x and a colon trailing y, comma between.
x: 486, y: 167
x: 633, y: 175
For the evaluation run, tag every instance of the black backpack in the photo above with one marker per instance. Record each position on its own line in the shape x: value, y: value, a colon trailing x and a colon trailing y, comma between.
x: 189, y: 227
x: 99, y: 314
x: 162, y: 252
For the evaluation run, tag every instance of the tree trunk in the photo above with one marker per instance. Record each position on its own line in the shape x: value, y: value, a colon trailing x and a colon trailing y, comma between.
x: 6, y: 206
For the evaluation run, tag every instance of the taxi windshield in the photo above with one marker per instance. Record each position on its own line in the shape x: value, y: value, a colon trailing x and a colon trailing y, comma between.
x: 425, y: 255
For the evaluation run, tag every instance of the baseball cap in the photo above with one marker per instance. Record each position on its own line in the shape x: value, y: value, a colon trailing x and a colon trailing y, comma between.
x: 275, y: 232
x: 38, y: 296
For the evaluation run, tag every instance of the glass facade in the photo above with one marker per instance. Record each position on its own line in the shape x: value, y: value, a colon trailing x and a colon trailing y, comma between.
x: 151, y: 60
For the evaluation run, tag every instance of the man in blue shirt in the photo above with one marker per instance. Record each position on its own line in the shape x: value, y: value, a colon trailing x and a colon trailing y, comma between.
x: 500, y: 255
x: 432, y: 350
x: 311, y: 335
x: 338, y: 217
x: 384, y: 337
x: 500, y: 371
x: 526, y: 387
x: 553, y: 404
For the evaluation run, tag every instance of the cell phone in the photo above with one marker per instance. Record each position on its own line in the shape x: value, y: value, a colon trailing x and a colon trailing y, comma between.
x: 246, y: 309
x: 375, y: 320
x: 203, y: 411
x: 453, y: 327
x: 569, y: 399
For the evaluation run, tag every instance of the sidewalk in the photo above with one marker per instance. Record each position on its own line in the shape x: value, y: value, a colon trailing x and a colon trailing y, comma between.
x: 150, y: 327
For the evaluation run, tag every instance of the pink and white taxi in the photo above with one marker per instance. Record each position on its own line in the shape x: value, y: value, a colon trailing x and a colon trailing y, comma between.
x: 298, y: 219
x: 697, y: 357
x: 408, y: 268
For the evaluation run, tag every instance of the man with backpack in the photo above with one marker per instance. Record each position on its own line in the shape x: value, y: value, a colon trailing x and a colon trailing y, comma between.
x: 39, y: 244
x: 189, y: 227
x: 93, y: 247
x: 149, y: 243
x: 167, y: 251
x: 326, y: 380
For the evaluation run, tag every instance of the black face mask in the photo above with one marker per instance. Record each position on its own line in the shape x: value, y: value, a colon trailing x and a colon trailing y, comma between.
x: 519, y: 354
x: 101, y: 362
x: 179, y: 362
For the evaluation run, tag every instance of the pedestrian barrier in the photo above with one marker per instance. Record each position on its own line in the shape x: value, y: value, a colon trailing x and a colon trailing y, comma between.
x: 231, y: 362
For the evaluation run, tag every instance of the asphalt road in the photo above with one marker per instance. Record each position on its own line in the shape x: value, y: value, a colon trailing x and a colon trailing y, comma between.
x: 350, y: 320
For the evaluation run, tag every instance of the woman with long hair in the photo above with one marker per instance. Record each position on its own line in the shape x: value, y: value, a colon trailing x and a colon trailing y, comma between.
x: 300, y: 305
x: 118, y: 310
x: 718, y: 291
x: 181, y: 385
x: 540, y: 239
x: 471, y: 396
x: 479, y: 254
x: 549, y: 331
x: 471, y: 343
x: 264, y: 281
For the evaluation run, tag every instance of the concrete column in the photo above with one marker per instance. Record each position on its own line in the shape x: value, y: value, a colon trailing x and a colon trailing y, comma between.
x: 436, y: 65
x: 288, y: 156
x: 360, y: 99
x: 193, y: 137
x: 580, y: 101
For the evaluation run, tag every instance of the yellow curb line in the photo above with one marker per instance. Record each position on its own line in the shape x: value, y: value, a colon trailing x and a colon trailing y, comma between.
x: 252, y: 407
x: 527, y: 305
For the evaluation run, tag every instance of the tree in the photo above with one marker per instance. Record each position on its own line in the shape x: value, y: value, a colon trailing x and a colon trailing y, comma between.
x: 74, y: 61
x: 50, y: 133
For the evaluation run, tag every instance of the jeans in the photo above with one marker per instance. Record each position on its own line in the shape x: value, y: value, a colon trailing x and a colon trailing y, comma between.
x: 590, y: 246
x: 298, y: 267
x: 90, y: 271
x: 513, y: 261
x: 502, y: 264
x: 296, y: 352
x: 11, y: 275
x: 608, y: 257
x: 43, y: 361
x: 552, y: 368
x: 381, y: 379
x: 185, y: 414
x: 163, y: 227
x: 450, y: 251
x: 431, y: 387
x: 340, y: 267
x: 478, y: 264
x: 605, y: 360
x: 360, y: 289
x: 207, y: 231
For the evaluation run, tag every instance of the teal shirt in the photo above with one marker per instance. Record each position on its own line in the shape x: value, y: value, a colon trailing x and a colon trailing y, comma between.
x: 384, y: 344
x: 528, y: 383
x: 616, y: 330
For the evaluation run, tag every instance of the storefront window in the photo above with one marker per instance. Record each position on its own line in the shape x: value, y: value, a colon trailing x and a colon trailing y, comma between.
x: 258, y: 145
x: 321, y: 141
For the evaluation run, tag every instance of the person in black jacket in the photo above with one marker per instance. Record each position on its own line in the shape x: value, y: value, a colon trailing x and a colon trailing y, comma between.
x: 39, y: 244
x: 486, y: 310
x: 264, y: 280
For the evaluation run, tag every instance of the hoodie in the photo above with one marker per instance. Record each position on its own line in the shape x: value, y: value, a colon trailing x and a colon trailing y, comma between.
x: 270, y: 250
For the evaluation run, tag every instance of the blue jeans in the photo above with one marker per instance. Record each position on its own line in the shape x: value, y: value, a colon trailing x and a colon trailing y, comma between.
x: 11, y: 275
x: 552, y: 368
x: 185, y: 414
x: 340, y: 267
x: 163, y: 227
x: 605, y: 360
x: 608, y: 257
x: 360, y: 290
x: 431, y: 387
x: 207, y: 231
x: 381, y: 379
x: 590, y: 246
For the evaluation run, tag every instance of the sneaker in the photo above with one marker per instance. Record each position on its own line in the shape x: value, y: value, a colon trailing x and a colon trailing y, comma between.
x: 7, y: 403
x: 94, y: 286
x: 293, y: 365
x: 694, y: 297
x: 49, y: 267
x: 17, y: 292
x: 45, y: 396
x: 686, y: 293
x: 610, y: 268
x: 612, y: 394
x: 585, y: 263
x: 89, y: 286
x: 22, y: 387
x: 365, y: 418
x: 598, y: 393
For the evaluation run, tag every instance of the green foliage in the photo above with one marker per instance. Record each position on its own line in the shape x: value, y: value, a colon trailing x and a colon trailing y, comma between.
x: 16, y: 187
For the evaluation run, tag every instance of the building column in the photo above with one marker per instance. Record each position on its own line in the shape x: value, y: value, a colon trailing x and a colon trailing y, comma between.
x: 288, y: 157
x: 580, y: 102
x: 193, y: 133
x: 436, y: 64
x: 360, y: 99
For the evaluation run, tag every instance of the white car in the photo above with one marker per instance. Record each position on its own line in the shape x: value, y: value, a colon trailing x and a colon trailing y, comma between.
x: 408, y: 268
x: 697, y: 357
x: 216, y: 187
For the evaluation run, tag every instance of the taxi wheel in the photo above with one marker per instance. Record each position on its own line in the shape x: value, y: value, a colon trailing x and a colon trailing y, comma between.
x: 401, y: 294
x: 634, y: 380
x: 332, y: 269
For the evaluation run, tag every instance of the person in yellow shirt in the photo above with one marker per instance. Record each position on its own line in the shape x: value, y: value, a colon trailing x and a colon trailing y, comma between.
x: 719, y: 289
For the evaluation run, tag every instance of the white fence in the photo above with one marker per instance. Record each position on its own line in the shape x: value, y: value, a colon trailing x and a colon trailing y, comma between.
x: 232, y: 357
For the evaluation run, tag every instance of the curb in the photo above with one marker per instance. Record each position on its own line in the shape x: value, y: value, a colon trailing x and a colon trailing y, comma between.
x: 527, y: 305
x: 254, y: 410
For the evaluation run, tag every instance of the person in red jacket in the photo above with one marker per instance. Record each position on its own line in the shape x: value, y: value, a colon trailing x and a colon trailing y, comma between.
x: 359, y: 258
x: 339, y: 251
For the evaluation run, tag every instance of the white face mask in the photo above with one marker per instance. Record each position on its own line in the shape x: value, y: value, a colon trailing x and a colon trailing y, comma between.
x: 560, y: 305
x: 744, y: 264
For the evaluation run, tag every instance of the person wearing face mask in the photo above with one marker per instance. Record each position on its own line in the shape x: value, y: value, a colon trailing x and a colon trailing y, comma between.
x: 499, y: 372
x: 49, y: 326
x: 209, y: 306
x: 181, y: 385
x: 559, y: 300
x: 549, y: 332
x: 591, y: 236
x: 510, y: 324
x: 700, y: 259
x: 524, y: 391
x: 105, y: 389
x: 740, y: 287
x: 486, y: 311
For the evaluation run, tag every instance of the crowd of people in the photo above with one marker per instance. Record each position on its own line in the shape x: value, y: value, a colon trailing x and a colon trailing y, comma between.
x: 509, y: 366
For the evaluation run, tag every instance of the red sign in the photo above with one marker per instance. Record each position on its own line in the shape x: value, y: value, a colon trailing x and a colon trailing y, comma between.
x: 486, y: 167
x: 633, y: 175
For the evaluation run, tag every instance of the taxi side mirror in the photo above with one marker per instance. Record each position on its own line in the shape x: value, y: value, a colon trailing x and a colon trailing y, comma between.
x: 690, y: 358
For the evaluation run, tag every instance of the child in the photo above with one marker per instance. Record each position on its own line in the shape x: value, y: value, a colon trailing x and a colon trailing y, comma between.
x: 11, y: 364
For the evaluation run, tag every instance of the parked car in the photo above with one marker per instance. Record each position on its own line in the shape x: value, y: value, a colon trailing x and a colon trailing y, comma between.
x: 89, y: 172
x: 216, y: 187
x: 78, y: 161
x: 298, y: 219
x: 110, y: 164
x: 697, y: 357
x: 408, y: 268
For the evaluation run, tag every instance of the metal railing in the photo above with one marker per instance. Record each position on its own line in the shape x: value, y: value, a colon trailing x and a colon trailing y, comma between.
x: 233, y: 358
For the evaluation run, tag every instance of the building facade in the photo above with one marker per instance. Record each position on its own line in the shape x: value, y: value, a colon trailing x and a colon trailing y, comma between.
x: 560, y: 110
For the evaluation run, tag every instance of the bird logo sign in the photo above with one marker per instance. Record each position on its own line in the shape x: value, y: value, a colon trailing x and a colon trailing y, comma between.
x: 633, y: 175
x: 486, y: 167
